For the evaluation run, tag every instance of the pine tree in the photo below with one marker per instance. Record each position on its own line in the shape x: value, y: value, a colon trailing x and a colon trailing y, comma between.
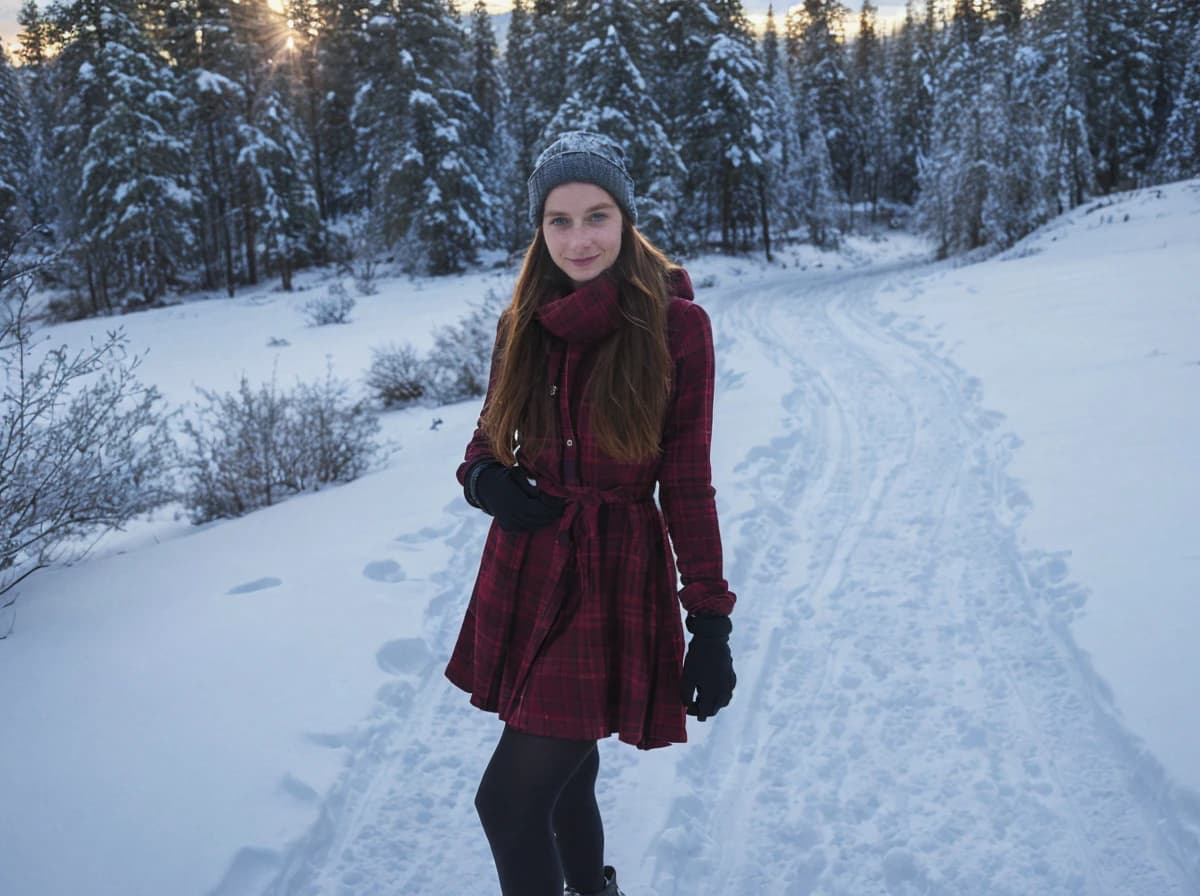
x: 444, y: 207
x: 1180, y: 154
x: 720, y: 114
x: 414, y: 116
x: 15, y: 157
x: 1059, y: 32
x: 273, y: 165
x: 1020, y: 182
x: 815, y: 43
x: 340, y: 47
x: 1121, y: 97
x: 522, y: 127
x: 549, y: 58
x: 871, y: 124
x: 953, y: 176
x: 910, y: 105
x: 125, y: 196
x: 787, y: 196
x: 487, y: 88
x: 607, y: 93
x: 816, y: 180
x: 35, y: 55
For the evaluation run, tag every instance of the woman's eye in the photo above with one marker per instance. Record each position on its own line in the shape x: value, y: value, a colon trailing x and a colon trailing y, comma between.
x: 598, y: 217
x: 558, y: 222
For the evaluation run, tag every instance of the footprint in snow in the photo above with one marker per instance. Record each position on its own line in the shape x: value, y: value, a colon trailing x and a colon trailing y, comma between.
x: 256, y: 585
x: 297, y: 789
x: 384, y: 571
x: 404, y: 656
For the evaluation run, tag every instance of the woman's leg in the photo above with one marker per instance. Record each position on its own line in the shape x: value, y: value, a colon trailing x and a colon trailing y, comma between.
x: 579, y: 830
x: 516, y: 800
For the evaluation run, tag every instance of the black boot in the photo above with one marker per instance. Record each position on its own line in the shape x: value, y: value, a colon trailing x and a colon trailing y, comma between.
x: 610, y: 886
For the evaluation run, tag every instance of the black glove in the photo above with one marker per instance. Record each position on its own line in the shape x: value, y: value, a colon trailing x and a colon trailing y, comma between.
x: 708, y: 677
x: 506, y: 494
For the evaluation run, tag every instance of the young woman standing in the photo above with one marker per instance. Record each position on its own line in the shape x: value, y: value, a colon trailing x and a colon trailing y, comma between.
x: 601, y: 388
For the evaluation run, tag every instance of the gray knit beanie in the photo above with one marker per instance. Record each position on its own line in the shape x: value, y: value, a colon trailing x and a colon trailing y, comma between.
x: 581, y: 157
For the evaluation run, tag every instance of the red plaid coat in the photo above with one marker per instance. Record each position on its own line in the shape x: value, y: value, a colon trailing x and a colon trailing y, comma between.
x: 574, y: 630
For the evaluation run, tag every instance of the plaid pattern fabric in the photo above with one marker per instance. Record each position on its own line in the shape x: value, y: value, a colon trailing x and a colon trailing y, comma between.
x: 574, y: 630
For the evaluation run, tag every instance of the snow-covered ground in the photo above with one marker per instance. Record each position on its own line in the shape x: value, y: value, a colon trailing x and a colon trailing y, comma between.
x: 959, y: 510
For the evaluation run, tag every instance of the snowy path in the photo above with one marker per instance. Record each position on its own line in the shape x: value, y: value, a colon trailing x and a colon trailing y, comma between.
x: 912, y: 716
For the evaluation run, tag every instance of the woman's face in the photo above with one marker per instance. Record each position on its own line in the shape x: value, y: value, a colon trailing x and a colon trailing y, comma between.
x: 582, y: 227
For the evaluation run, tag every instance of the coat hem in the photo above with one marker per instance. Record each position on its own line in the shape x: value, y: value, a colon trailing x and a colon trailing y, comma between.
x: 600, y: 732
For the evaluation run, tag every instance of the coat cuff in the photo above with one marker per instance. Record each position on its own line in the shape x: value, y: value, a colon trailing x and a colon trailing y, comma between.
x: 707, y: 599
x: 471, y: 479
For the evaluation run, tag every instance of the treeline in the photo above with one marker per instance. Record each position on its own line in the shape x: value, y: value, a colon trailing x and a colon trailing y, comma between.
x: 159, y: 145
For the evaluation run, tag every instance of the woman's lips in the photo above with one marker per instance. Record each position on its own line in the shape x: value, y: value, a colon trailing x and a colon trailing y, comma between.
x: 583, y: 262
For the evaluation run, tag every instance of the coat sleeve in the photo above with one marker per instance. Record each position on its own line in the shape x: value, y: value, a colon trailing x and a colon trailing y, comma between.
x: 685, y: 473
x: 480, y: 448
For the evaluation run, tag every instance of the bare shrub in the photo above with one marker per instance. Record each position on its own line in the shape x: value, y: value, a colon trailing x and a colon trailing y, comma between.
x: 84, y: 444
x: 256, y: 446
x: 460, y: 361
x: 332, y: 308
x: 397, y: 375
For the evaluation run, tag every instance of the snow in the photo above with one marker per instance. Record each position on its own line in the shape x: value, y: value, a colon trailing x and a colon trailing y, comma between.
x: 956, y: 503
x: 1100, y: 319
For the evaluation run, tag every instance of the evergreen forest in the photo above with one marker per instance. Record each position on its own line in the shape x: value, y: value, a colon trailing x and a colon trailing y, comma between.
x: 153, y: 147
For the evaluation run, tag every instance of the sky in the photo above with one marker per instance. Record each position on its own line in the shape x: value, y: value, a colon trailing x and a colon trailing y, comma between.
x: 757, y: 11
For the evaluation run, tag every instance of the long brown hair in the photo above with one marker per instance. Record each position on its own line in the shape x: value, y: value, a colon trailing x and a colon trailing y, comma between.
x: 631, y: 381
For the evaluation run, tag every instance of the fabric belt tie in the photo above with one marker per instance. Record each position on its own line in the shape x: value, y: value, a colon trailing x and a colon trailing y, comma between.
x: 578, y: 535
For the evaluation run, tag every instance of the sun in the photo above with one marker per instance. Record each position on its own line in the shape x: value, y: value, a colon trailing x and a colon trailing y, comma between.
x: 276, y: 6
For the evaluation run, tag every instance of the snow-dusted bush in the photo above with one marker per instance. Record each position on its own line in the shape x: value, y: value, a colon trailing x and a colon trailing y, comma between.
x: 84, y: 444
x: 397, y: 375
x: 331, y: 308
x: 458, y: 365
x: 254, y: 447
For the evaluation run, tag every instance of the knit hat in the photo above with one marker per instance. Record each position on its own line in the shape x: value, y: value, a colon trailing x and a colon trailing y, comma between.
x: 581, y: 157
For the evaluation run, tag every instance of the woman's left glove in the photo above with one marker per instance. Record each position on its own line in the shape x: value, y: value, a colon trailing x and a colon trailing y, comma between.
x: 708, y: 676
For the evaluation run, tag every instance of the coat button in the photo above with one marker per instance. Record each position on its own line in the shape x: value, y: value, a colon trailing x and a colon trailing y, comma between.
x: 554, y: 390
x: 570, y: 443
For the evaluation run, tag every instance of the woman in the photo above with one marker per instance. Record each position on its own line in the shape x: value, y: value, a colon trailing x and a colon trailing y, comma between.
x: 601, y: 387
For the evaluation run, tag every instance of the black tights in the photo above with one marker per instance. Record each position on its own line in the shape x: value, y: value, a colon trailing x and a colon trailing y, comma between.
x: 537, y: 802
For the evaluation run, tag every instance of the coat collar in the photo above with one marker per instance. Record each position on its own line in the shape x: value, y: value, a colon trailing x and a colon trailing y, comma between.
x: 593, y: 311
x: 586, y: 315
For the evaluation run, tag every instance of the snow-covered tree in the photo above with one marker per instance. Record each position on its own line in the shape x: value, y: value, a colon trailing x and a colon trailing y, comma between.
x: 338, y: 41
x: 125, y: 196
x: 15, y: 156
x: 442, y: 208
x: 274, y: 162
x: 487, y: 88
x: 815, y: 43
x: 1180, y: 154
x: 1060, y: 42
x: 954, y: 175
x: 607, y: 93
x: 1020, y: 181
x: 909, y: 104
x: 720, y: 111
x: 786, y: 194
x: 414, y: 116
x: 871, y: 124
x: 816, y: 178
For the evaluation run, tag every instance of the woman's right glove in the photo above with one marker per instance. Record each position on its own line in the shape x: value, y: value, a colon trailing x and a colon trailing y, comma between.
x: 708, y: 676
x: 506, y: 494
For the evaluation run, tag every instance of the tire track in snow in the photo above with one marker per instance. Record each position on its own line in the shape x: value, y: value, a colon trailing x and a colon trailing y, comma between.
x: 912, y: 715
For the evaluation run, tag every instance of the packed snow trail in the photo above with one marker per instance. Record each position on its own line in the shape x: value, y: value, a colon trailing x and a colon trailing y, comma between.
x: 912, y: 715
